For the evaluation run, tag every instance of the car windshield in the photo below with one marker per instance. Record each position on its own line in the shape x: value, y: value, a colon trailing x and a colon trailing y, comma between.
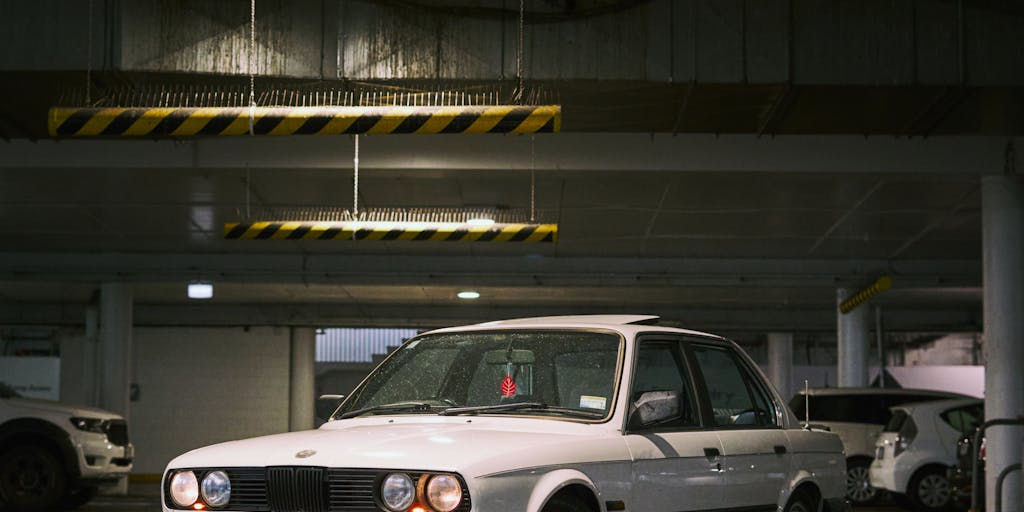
x: 567, y: 374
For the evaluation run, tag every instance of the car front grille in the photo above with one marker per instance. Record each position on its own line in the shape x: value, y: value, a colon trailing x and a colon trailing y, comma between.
x: 309, y: 489
x: 117, y: 432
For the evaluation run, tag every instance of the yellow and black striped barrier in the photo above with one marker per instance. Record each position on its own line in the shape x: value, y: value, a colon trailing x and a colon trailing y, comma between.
x: 880, y: 285
x: 448, y: 232
x: 192, y: 122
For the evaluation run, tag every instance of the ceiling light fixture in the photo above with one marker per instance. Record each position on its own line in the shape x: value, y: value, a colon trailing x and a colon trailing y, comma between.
x: 468, y: 295
x: 200, y: 290
x: 480, y: 221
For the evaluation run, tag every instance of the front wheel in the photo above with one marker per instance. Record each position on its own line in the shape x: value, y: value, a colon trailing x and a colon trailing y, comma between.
x: 930, y: 490
x: 566, y: 503
x: 858, y: 482
x: 801, y: 501
x: 31, y: 479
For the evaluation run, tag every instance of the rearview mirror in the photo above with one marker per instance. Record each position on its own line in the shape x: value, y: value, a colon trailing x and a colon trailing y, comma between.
x: 509, y: 356
x: 654, y: 407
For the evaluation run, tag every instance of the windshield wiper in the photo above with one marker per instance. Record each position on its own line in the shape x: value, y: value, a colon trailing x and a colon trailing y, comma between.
x: 400, y: 406
x: 514, y: 406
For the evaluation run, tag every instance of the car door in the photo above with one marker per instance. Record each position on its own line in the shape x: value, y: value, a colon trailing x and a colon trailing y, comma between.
x: 676, y: 463
x: 755, y: 449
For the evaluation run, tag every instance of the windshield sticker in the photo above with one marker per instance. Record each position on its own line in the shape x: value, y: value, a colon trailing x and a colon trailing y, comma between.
x: 508, y: 386
x: 592, y: 402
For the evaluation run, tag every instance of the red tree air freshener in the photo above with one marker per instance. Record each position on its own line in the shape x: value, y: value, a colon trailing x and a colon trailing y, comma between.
x: 508, y: 386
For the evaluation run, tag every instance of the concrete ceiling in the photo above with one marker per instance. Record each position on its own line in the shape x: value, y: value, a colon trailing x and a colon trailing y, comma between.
x: 723, y: 245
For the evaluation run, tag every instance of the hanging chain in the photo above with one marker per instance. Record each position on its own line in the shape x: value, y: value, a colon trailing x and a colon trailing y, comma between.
x: 252, y: 75
x: 88, y: 61
x: 519, y: 52
x: 355, y: 182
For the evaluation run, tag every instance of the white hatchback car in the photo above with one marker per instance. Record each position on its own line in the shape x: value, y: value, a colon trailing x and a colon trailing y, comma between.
x: 556, y: 414
x: 918, y: 446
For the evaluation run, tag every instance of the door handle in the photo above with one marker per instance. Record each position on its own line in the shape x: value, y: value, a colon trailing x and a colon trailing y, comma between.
x: 712, y: 452
x: 780, y: 449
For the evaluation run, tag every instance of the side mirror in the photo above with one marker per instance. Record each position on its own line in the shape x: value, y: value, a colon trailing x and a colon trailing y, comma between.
x: 654, y: 407
x: 327, y: 404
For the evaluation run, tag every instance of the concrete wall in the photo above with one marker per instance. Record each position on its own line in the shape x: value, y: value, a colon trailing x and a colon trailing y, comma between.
x: 200, y: 386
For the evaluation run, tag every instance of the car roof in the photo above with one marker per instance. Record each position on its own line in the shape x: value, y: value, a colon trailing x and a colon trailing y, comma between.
x: 880, y: 391
x: 937, y: 405
x: 625, y: 324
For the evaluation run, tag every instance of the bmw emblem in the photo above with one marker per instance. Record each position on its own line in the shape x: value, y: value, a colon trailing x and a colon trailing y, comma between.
x: 305, y: 454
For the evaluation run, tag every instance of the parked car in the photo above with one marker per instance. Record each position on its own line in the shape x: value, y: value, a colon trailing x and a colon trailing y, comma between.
x: 960, y: 477
x: 57, y: 455
x: 858, y: 415
x: 557, y: 414
x: 918, y: 447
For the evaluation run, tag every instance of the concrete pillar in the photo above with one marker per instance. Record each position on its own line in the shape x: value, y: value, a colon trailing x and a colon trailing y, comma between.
x: 1003, y: 268
x: 303, y: 373
x: 115, y: 347
x: 780, y: 362
x: 853, y: 329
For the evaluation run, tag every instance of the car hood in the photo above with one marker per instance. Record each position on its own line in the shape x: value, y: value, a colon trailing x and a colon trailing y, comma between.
x: 473, y: 447
x: 60, y: 408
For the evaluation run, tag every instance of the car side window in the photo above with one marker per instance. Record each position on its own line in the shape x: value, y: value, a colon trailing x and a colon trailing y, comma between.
x: 659, y: 367
x: 735, y: 395
x: 964, y: 419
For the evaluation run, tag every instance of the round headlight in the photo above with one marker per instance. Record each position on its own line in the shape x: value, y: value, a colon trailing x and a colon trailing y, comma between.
x: 397, y: 492
x: 216, y: 489
x: 444, y: 493
x: 184, y: 489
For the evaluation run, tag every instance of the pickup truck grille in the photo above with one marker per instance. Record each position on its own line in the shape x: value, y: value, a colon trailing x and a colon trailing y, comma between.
x: 309, y: 489
x: 117, y: 432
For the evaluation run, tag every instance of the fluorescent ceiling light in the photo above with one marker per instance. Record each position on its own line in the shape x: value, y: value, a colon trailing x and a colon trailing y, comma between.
x: 200, y: 290
x: 469, y: 295
x: 480, y: 221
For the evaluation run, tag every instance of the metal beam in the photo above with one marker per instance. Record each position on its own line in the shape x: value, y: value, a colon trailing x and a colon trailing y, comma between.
x: 493, y: 270
x: 563, y: 152
x: 736, y: 321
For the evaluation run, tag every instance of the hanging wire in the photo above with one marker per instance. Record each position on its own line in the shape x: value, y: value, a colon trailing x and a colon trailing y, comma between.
x: 252, y: 75
x: 533, y: 180
x: 88, y: 61
x: 519, y: 53
x: 355, y: 181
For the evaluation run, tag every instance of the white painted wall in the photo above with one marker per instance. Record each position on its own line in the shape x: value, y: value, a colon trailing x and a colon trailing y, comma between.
x: 200, y: 386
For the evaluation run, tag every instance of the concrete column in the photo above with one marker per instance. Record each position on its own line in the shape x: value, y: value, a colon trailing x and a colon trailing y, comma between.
x: 780, y: 362
x: 303, y: 373
x: 853, y: 329
x: 1003, y: 268
x: 115, y: 347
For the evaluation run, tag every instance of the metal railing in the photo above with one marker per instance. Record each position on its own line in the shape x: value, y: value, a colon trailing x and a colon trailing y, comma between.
x: 974, y: 462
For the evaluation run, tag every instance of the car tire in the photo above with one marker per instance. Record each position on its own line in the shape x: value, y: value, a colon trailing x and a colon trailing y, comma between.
x: 801, y: 501
x: 858, y: 482
x: 31, y: 479
x: 563, y: 502
x: 929, y: 490
x: 77, y: 497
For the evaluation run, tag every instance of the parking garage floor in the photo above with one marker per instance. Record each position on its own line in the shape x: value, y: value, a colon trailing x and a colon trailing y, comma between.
x: 146, y: 498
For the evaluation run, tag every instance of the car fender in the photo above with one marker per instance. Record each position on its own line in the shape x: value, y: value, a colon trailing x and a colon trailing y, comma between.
x: 799, y: 478
x: 53, y: 435
x: 552, y: 482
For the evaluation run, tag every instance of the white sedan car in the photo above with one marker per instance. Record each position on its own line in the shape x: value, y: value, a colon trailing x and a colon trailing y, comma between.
x: 557, y: 414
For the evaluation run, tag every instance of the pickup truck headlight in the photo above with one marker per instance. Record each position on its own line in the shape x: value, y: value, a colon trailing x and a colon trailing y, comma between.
x: 96, y: 425
x: 216, y: 489
x: 397, y: 492
x: 184, y: 489
x: 444, y: 493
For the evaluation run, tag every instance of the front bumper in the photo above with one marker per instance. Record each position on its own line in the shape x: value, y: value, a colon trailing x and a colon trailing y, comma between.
x: 101, y: 460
